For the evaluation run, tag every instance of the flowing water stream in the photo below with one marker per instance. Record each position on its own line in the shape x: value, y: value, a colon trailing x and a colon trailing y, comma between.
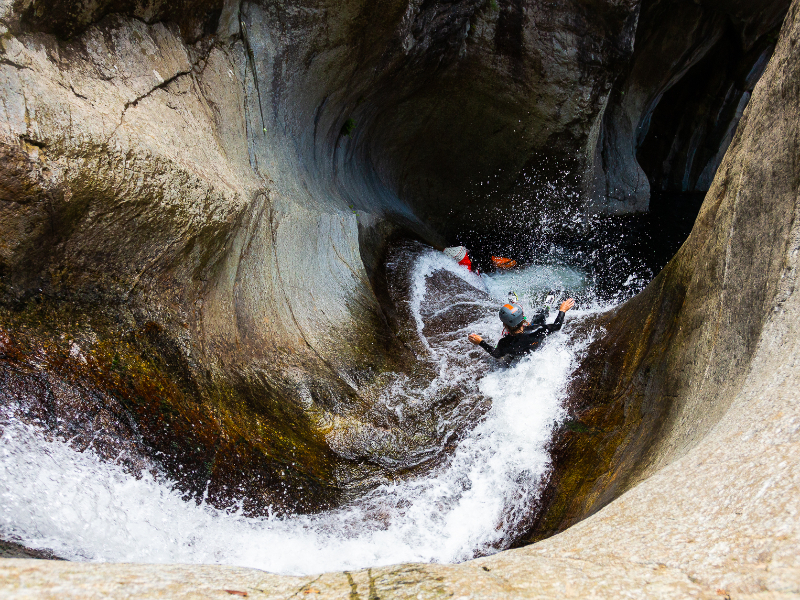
x: 469, y: 503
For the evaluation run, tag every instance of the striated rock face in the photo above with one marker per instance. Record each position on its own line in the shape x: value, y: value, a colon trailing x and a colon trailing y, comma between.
x: 141, y: 246
x: 195, y: 198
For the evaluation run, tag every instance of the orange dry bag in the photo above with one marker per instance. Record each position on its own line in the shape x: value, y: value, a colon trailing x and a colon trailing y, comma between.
x: 503, y: 263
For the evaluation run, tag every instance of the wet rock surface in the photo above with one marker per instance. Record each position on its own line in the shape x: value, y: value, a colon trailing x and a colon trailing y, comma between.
x: 12, y: 550
x: 701, y: 341
x: 195, y: 200
x: 216, y: 183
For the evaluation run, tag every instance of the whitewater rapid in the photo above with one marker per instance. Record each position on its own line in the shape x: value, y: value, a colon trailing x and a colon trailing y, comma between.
x: 54, y: 497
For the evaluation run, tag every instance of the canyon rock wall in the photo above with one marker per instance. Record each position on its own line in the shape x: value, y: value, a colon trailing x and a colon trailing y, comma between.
x: 711, y: 336
x: 672, y: 113
x: 141, y: 243
x: 196, y: 197
x: 689, y: 402
x: 174, y: 196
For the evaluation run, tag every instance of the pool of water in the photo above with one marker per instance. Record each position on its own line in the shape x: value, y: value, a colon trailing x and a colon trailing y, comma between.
x: 472, y: 500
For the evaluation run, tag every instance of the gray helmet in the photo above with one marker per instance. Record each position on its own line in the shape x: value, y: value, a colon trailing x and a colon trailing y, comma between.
x: 511, y: 315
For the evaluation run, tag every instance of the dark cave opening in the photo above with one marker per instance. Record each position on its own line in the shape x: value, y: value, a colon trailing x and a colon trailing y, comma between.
x: 688, y: 132
x: 680, y: 145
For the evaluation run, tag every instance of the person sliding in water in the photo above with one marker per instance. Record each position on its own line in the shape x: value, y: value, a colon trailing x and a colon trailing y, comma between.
x: 521, y: 338
x: 461, y: 256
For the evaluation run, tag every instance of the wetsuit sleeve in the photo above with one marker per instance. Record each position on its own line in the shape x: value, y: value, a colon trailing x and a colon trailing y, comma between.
x: 496, y: 352
x: 557, y: 323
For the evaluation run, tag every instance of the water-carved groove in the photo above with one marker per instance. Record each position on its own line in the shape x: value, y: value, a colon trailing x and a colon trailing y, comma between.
x: 319, y: 370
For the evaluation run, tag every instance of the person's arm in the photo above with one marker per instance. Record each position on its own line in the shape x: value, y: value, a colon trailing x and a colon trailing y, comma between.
x: 478, y: 340
x: 498, y: 352
x: 555, y: 325
x: 563, y: 308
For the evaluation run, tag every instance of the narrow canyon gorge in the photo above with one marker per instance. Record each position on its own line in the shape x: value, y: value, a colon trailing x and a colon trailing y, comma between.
x: 233, y: 355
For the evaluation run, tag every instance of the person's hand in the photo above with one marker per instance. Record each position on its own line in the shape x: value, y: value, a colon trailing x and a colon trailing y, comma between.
x: 566, y: 305
x: 475, y: 338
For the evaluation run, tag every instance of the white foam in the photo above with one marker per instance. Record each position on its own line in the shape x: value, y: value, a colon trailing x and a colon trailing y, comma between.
x: 52, y: 496
x: 425, y: 266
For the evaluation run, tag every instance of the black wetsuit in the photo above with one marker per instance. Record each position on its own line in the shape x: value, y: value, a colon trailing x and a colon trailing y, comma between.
x: 529, y: 340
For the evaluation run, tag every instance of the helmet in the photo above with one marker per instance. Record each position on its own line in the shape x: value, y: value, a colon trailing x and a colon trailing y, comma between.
x: 511, y: 315
x: 457, y: 253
